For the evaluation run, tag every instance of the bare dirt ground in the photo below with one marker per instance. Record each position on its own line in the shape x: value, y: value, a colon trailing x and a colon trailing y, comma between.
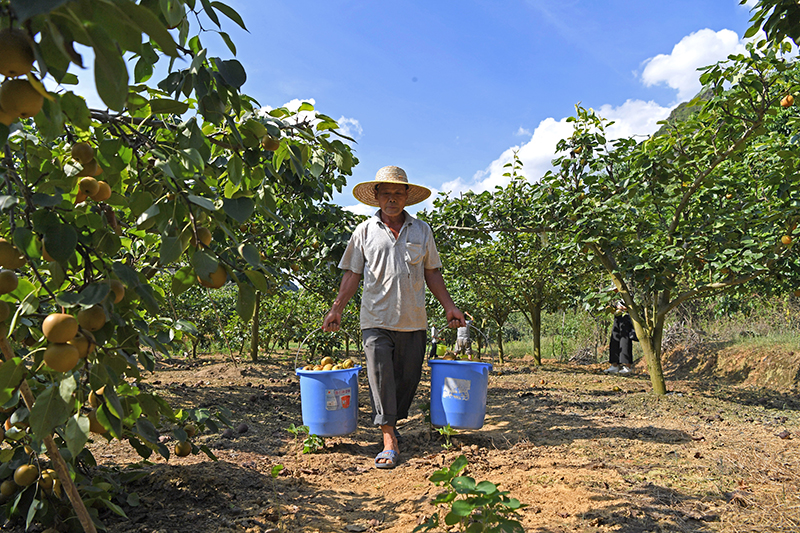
x: 587, y: 452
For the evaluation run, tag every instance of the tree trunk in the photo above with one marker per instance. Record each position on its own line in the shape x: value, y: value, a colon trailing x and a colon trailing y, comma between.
x: 536, y: 324
x: 651, y: 346
x: 254, y: 330
x: 500, y: 354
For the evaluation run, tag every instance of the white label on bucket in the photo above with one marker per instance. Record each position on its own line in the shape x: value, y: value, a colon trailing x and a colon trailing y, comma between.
x: 455, y: 388
x: 336, y: 399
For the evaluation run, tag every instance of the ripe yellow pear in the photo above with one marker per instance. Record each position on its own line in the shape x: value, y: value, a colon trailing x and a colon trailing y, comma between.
x: 88, y: 185
x: 6, y: 117
x: 117, y: 289
x: 10, y: 256
x: 216, y: 280
x: 182, y: 449
x: 92, y: 318
x: 61, y: 357
x: 91, y: 169
x: 82, y: 152
x: 16, y: 53
x: 94, y: 424
x: 18, y: 96
x: 83, y: 344
x: 103, y: 193
x: 60, y: 327
x: 8, y: 281
x: 270, y: 143
x: 25, y: 475
x: 203, y: 235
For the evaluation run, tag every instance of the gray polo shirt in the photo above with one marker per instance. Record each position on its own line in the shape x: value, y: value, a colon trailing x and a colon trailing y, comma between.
x: 393, y: 271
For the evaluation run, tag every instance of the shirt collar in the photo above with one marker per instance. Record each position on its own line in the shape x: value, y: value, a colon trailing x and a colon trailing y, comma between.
x: 408, y: 221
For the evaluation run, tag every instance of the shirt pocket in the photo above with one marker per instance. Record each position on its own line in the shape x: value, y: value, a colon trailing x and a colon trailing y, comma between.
x: 413, y: 253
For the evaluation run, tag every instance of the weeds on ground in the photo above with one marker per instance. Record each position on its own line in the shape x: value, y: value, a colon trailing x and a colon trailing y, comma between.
x: 447, y: 432
x: 471, y: 507
x: 311, y: 443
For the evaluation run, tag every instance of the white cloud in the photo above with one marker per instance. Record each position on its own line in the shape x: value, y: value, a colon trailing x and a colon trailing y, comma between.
x: 525, y: 132
x: 678, y: 69
x: 350, y: 127
x: 633, y: 118
x: 361, y: 209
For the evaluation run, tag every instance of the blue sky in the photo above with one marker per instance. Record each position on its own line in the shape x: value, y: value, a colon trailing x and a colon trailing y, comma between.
x: 448, y: 90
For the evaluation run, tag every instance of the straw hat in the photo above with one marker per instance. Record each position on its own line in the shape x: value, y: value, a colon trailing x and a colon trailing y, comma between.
x: 365, y: 192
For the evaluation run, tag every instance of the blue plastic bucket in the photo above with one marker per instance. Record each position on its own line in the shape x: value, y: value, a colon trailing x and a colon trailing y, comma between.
x: 458, y: 393
x: 329, y: 400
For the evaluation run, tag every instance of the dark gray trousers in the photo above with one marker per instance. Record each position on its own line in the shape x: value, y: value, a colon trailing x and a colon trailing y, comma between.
x: 394, y: 368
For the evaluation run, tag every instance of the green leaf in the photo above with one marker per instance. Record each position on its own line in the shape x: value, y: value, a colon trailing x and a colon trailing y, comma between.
x: 170, y: 250
x: 165, y: 105
x: 149, y: 217
x: 228, y: 41
x: 76, y: 433
x: 204, y: 263
x: 235, y: 170
x: 50, y: 409
x: 458, y: 465
x: 232, y: 72
x: 486, y: 487
x: 94, y: 293
x: 25, y: 240
x: 148, y: 22
x: 182, y: 280
x: 463, y: 484
x: 7, y: 202
x: 145, y: 292
x: 60, y: 241
x: 35, y: 507
x: 246, y: 302
x: 186, y: 326
x: 230, y: 13
x: 210, y: 12
x: 238, y: 209
x: 139, y: 202
x: 462, y: 508
x: 173, y: 12
x: 110, y: 72
x: 25, y: 9
x: 205, y: 203
x: 249, y: 253
x: 114, y: 507
x: 12, y: 372
x: 147, y: 430
x: 258, y: 280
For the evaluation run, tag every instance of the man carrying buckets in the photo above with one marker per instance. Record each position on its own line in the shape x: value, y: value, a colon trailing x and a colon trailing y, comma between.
x: 396, y: 255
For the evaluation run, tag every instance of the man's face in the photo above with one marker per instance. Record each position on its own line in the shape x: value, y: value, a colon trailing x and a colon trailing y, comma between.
x: 392, y: 198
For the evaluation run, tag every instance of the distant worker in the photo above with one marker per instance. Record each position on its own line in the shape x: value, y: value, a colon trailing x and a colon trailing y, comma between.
x: 620, y: 350
x: 434, y: 340
x: 463, y: 339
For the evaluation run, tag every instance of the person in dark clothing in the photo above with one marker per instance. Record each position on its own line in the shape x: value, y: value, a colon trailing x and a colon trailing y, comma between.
x: 620, y: 351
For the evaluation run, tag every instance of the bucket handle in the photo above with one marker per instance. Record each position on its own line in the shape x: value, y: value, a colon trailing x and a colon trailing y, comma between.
x: 486, y: 338
x: 312, y: 332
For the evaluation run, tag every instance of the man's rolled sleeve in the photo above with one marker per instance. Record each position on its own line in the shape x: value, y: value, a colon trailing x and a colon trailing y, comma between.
x: 353, y: 257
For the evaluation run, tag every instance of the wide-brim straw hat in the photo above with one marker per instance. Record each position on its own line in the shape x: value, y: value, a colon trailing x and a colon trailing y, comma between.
x: 365, y: 192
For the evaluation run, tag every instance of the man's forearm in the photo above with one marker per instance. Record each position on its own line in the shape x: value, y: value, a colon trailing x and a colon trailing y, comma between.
x: 347, y: 288
x: 435, y: 282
